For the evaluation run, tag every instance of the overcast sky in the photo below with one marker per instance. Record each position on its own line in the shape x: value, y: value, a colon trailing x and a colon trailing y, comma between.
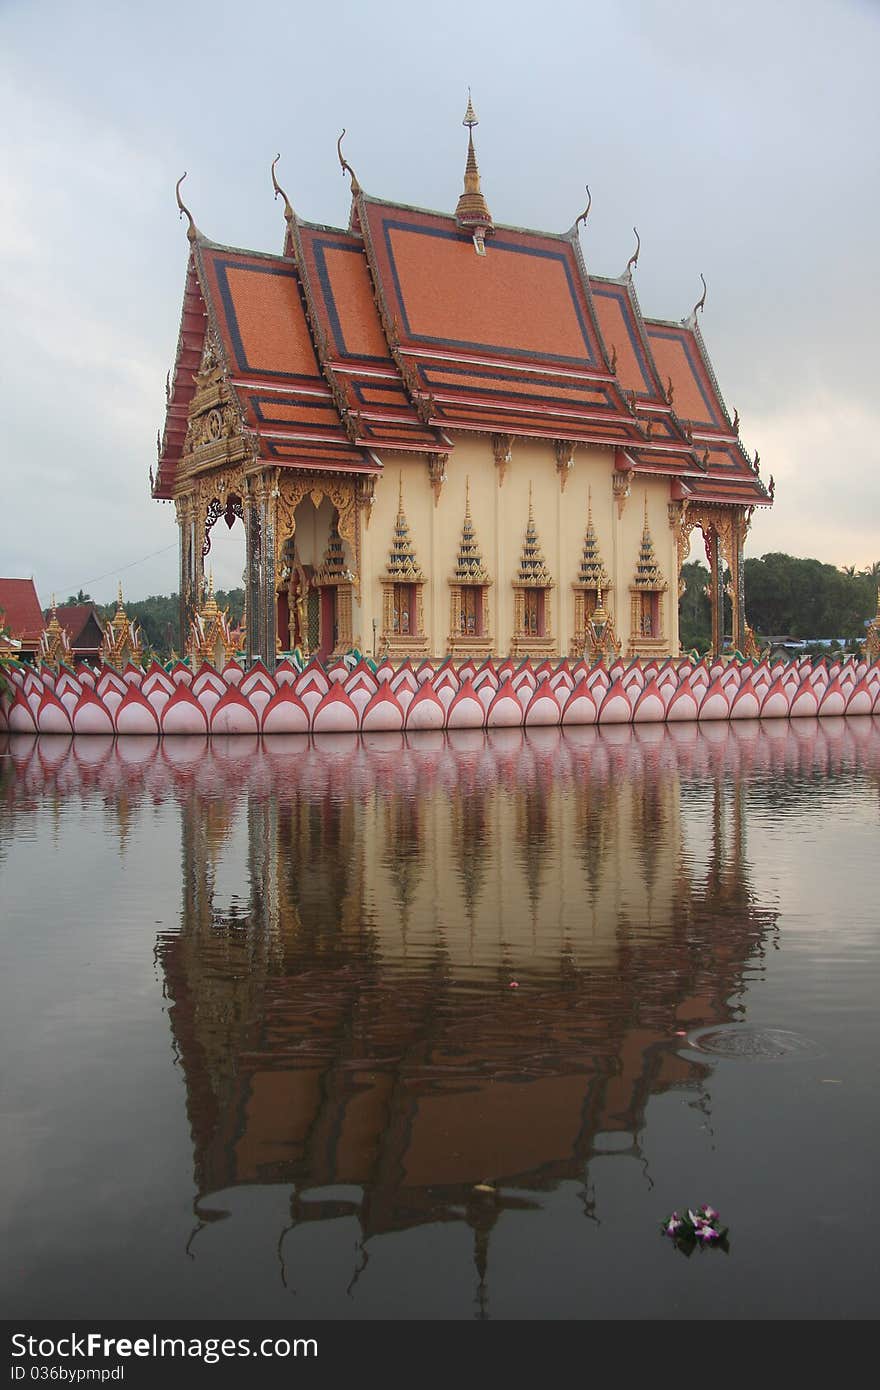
x: 741, y: 139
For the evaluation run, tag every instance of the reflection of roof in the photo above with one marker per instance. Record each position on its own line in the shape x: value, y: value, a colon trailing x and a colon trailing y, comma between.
x: 397, y: 331
x: 21, y: 608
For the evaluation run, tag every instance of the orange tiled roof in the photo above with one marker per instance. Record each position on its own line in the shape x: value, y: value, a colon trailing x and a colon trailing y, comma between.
x: 476, y: 334
x: 680, y: 358
x: 336, y: 280
x: 392, y: 333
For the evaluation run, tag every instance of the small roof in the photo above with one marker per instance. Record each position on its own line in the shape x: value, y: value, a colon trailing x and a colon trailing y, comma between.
x: 21, y: 609
x: 74, y: 618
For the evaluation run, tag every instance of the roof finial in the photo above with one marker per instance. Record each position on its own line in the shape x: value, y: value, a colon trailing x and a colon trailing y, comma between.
x: 191, y: 231
x: 646, y: 510
x: 119, y: 604
x: 531, y: 508
x: 701, y: 302
x: 400, y: 493
x: 472, y: 211
x: 346, y: 167
x: 634, y: 258
x: 467, y: 495
x: 589, y: 506
x: 289, y: 215
x: 586, y: 212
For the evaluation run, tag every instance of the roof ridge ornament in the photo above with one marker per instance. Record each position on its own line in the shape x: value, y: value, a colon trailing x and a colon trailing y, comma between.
x: 634, y: 258
x: 346, y: 167
x: 586, y: 212
x: 691, y: 321
x: 192, y: 230
x: 289, y: 214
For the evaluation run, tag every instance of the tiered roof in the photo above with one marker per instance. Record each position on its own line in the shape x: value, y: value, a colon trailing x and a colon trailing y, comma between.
x: 469, y: 567
x: 403, y: 567
x: 333, y: 566
x: 592, y: 574
x: 533, y: 570
x: 410, y: 324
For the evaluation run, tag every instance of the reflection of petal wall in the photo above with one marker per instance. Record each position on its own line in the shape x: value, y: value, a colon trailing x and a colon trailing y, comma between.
x: 337, y: 700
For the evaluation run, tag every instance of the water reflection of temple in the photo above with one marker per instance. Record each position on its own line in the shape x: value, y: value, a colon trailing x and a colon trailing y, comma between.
x: 352, y: 1023
x: 353, y: 915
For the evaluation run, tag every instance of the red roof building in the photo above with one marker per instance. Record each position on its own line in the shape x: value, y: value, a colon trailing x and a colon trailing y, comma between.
x: 85, y: 632
x: 461, y: 355
x: 21, y: 614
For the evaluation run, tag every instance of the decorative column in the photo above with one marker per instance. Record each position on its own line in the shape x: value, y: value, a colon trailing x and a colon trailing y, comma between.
x: 737, y: 575
x: 254, y: 597
x: 266, y: 494
x: 198, y: 512
x: 184, y: 527
x: 716, y: 589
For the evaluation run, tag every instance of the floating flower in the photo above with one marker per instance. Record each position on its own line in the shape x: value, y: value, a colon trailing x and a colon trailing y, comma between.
x: 699, y: 1227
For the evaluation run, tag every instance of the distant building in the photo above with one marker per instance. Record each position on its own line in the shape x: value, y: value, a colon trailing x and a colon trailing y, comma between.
x: 84, y: 629
x: 21, y: 613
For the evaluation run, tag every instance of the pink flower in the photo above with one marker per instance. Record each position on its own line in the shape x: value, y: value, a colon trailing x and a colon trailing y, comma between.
x: 674, y: 1224
x: 709, y: 1213
x: 707, y: 1233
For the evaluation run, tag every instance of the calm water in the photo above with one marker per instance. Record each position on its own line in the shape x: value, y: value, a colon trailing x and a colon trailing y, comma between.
x: 260, y: 1045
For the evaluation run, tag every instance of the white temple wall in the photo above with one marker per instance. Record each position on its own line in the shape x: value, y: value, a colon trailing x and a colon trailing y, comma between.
x: 500, y: 516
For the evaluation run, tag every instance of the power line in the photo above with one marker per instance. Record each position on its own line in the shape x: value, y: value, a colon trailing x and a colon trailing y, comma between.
x: 119, y: 569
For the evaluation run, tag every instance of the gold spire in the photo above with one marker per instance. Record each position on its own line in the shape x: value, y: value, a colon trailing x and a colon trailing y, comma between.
x: 119, y: 604
x: 472, y: 212
x: 210, y: 606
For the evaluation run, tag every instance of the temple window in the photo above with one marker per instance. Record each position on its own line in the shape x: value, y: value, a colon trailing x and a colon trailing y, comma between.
x: 403, y: 624
x: 471, y: 610
x: 468, y: 590
x: 403, y: 609
x: 532, y: 585
x: 647, y: 591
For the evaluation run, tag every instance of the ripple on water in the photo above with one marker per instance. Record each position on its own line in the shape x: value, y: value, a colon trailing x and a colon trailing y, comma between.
x: 743, y: 1042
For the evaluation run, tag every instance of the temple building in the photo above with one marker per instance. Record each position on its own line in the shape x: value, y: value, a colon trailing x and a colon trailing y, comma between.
x: 443, y: 435
x: 21, y: 616
x: 84, y: 628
